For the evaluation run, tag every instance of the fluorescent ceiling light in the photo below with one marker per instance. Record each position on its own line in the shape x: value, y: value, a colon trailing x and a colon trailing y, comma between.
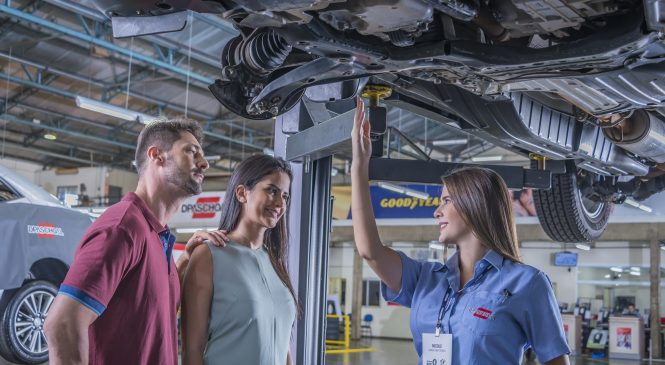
x: 583, y: 246
x: 50, y: 136
x: 616, y: 269
x: 487, y: 158
x: 436, y: 246
x: 634, y: 268
x: 268, y: 151
x: 112, y: 110
x: 213, y: 158
x: 404, y: 190
x: 607, y: 276
x: 416, y: 194
x: 635, y: 273
x: 631, y: 202
x: 645, y: 208
x: 450, y: 142
x: 391, y: 187
x: 637, y: 205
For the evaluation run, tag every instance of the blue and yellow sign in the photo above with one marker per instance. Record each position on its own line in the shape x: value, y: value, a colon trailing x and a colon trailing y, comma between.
x: 389, y: 204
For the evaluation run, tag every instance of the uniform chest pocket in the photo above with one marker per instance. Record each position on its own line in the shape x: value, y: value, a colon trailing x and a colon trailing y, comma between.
x: 480, y: 314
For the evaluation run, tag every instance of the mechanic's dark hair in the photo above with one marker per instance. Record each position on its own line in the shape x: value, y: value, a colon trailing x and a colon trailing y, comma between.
x: 276, y: 240
x: 483, y: 201
x: 162, y: 133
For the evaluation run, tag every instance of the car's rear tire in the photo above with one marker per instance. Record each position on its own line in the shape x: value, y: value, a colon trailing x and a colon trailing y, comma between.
x: 22, y: 319
x: 565, y: 211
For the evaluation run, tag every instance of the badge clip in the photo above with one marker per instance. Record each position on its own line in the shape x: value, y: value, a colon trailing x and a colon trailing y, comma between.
x: 437, y: 333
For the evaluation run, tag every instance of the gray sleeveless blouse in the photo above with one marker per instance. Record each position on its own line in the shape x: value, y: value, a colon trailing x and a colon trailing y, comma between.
x: 252, y: 311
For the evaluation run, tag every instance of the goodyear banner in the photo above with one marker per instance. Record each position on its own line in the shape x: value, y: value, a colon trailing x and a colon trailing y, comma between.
x: 389, y: 204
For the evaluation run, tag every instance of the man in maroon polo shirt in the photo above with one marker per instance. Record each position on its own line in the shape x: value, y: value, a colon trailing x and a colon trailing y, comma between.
x: 119, y: 300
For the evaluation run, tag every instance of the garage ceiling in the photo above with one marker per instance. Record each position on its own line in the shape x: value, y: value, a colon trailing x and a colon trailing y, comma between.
x: 52, y: 51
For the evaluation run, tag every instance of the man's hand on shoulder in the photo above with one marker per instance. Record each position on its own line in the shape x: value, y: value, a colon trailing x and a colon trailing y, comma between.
x: 217, y: 238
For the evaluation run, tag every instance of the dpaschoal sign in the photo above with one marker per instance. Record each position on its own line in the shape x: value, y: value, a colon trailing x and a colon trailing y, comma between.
x: 199, y: 211
x: 390, y: 204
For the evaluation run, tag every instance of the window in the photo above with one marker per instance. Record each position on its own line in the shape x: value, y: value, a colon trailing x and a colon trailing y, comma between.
x: 7, y: 193
x: 68, y: 195
x: 371, y: 293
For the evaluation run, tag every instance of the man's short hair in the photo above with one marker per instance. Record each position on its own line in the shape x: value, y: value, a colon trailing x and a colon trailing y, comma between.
x: 162, y: 133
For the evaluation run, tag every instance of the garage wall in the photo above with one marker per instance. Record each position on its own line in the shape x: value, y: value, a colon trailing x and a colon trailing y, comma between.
x: 389, y: 321
x: 25, y: 169
x: 127, y: 180
x: 393, y: 321
x: 93, y: 177
x: 606, y: 254
x: 563, y: 281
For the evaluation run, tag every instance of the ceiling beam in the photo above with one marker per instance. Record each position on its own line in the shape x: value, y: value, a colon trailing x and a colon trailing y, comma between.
x: 54, y: 27
x: 17, y: 120
x: 71, y: 95
x: 105, y: 86
x: 18, y: 146
x: 198, y: 55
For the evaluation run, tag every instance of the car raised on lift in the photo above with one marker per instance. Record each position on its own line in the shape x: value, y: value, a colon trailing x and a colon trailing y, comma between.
x: 578, y: 86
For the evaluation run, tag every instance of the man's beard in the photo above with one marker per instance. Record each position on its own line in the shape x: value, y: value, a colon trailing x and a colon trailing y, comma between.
x: 184, y: 180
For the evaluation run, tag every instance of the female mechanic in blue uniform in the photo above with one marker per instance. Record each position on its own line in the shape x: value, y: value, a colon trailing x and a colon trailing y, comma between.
x: 484, y: 306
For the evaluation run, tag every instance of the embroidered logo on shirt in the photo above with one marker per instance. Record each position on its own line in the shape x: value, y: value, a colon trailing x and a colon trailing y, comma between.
x: 204, y: 208
x: 482, y: 313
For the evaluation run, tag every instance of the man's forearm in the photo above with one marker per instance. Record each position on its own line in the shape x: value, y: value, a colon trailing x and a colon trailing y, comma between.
x: 68, y: 346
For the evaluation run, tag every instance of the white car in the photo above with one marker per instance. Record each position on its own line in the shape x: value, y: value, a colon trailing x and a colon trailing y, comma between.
x: 39, y: 237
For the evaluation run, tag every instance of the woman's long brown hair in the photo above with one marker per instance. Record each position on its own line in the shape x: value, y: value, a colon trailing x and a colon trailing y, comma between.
x: 276, y: 240
x: 483, y: 201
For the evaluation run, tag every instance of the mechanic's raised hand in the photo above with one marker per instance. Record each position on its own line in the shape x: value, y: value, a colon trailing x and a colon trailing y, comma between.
x: 360, y: 142
x: 218, y: 238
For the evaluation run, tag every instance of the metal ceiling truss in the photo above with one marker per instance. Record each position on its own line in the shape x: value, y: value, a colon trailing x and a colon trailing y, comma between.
x: 69, y: 156
x: 67, y: 94
x: 95, y: 40
x: 165, y: 48
x: 105, y: 149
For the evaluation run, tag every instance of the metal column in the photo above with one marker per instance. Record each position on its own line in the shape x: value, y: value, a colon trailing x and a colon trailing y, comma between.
x: 654, y: 294
x: 310, y: 215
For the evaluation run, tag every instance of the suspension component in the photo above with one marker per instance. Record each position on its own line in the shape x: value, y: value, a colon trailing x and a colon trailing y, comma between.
x: 377, y: 115
x: 265, y: 52
x: 539, y: 159
x: 247, y: 66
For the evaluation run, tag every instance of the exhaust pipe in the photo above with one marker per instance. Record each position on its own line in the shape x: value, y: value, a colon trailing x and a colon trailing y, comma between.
x: 642, y: 134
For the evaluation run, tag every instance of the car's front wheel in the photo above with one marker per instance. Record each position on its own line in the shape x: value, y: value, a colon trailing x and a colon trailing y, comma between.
x: 23, y: 315
x: 566, y: 211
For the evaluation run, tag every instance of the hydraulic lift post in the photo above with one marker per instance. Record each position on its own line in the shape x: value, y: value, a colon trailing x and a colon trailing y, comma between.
x: 307, y: 136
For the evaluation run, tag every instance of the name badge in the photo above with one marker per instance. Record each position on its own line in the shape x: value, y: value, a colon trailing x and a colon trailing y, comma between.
x: 437, y: 350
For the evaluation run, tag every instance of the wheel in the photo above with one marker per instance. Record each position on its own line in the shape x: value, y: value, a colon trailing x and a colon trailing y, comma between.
x: 22, y: 337
x: 566, y: 212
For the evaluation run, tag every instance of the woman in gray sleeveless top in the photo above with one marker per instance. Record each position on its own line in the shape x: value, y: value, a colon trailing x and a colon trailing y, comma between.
x: 238, y: 303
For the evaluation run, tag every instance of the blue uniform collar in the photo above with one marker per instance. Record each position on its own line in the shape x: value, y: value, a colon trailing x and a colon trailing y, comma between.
x: 452, y: 265
x: 494, y: 258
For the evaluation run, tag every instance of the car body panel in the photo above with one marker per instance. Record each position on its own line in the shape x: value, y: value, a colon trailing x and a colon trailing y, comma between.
x: 35, y: 227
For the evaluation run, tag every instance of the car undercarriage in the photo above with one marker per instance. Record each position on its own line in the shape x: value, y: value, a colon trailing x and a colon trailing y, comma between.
x: 577, y: 86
